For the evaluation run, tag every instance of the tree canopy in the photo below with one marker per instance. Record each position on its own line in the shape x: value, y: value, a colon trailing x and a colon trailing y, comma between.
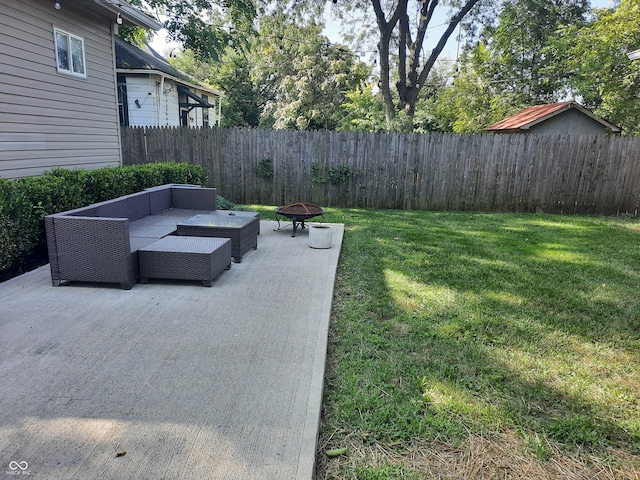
x: 206, y: 27
x: 595, y: 53
x: 517, y: 45
x: 278, y: 70
x: 546, y: 51
x: 403, y: 28
x: 303, y: 76
x: 289, y: 76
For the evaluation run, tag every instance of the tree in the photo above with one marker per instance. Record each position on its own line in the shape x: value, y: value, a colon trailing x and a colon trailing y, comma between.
x: 303, y: 78
x: 518, y: 58
x: 205, y: 27
x: 472, y: 101
x: 363, y: 110
x: 603, y: 77
x: 288, y: 76
x: 231, y: 74
x: 411, y: 74
x: 401, y: 38
x: 242, y: 102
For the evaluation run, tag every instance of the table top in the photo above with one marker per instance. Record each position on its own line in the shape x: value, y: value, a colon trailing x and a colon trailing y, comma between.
x: 223, y: 221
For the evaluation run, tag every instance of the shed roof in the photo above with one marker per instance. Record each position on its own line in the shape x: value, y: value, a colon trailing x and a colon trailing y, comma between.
x: 529, y: 117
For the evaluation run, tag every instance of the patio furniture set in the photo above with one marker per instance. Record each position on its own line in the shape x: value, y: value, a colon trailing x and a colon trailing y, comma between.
x: 170, y: 232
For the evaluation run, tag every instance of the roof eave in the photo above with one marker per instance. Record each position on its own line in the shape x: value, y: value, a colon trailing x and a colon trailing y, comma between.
x: 130, y: 14
x: 503, y: 130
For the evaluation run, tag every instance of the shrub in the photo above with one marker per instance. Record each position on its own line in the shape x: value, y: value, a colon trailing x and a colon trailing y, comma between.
x: 17, y: 233
x: 224, y: 204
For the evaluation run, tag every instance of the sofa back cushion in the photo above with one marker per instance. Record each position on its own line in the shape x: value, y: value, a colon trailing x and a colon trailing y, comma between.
x: 193, y: 198
x: 133, y: 207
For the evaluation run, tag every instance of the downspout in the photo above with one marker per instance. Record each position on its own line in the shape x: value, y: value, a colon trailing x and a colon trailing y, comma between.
x: 113, y: 28
x: 219, y: 108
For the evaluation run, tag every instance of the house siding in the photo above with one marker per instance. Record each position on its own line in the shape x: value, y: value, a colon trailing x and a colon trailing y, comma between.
x: 213, y: 113
x: 170, y: 114
x: 48, y: 119
x: 144, y: 90
x: 152, y: 112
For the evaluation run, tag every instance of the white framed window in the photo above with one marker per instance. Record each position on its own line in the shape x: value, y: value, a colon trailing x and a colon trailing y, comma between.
x: 70, y: 56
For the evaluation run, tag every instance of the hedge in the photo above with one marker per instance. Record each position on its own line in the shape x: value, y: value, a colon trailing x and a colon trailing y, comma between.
x: 25, y: 202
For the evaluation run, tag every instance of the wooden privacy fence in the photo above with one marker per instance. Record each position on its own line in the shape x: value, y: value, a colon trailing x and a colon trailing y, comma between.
x: 436, y: 171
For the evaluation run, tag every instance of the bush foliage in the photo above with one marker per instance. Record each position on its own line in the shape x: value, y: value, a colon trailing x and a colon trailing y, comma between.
x: 25, y: 202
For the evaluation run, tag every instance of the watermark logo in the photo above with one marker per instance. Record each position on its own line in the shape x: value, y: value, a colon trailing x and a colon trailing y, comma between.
x: 18, y: 468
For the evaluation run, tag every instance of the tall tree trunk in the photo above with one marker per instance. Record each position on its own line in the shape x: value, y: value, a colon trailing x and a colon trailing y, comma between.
x: 411, y: 78
x: 386, y: 29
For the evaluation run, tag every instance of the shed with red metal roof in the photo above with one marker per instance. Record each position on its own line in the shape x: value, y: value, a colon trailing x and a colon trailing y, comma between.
x: 555, y: 118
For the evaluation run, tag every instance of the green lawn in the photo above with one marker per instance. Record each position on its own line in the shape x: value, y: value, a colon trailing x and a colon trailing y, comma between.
x: 470, y: 345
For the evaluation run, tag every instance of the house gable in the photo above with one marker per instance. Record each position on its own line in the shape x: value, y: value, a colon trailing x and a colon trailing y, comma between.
x: 570, y: 122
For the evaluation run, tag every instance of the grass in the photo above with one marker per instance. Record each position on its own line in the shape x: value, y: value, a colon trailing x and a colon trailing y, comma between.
x: 469, y: 345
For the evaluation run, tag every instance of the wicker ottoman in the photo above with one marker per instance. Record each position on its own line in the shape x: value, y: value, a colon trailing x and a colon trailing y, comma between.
x: 185, y: 258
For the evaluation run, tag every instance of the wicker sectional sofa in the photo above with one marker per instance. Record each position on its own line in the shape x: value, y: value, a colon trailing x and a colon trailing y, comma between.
x: 100, y: 242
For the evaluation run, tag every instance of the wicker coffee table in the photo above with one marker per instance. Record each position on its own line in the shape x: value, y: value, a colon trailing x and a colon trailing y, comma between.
x: 241, y: 229
x: 185, y: 258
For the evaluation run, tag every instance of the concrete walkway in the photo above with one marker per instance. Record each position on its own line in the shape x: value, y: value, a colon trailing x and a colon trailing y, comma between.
x: 191, y: 382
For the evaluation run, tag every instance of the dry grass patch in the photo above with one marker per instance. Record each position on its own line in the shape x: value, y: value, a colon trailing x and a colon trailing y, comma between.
x: 476, y: 457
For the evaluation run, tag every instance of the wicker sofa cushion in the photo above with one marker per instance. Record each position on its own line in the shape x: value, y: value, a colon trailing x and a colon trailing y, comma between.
x: 134, y: 207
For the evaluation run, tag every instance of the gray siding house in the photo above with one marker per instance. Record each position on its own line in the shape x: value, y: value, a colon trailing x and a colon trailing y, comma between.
x: 58, y: 94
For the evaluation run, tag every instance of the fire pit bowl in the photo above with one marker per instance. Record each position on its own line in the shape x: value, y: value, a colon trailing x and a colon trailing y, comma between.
x: 298, y: 212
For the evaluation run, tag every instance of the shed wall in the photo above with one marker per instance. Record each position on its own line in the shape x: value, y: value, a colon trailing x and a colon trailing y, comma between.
x: 571, y: 122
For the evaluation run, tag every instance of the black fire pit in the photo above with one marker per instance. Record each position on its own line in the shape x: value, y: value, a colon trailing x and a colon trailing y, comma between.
x: 298, y: 212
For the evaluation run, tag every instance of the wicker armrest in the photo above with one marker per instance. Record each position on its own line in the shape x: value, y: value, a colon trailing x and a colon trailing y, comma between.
x: 91, y: 249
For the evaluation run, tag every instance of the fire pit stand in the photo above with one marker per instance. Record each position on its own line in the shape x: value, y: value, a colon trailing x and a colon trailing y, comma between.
x: 298, y: 212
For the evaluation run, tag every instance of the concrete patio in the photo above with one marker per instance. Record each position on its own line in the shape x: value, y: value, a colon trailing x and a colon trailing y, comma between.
x: 191, y: 382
